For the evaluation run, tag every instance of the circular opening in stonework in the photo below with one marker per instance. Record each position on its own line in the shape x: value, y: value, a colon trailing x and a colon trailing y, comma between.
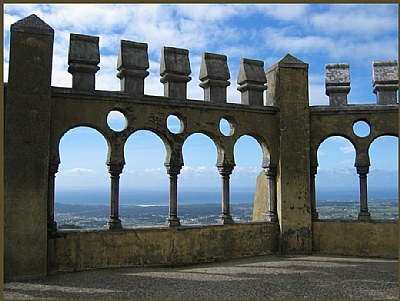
x: 116, y: 121
x: 175, y: 124
x: 226, y: 127
x: 362, y: 129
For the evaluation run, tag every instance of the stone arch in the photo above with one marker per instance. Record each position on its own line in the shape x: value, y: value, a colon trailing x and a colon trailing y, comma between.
x: 330, y: 183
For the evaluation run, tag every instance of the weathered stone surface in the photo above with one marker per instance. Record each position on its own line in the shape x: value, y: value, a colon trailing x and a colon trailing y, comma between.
x: 385, y: 80
x: 252, y: 80
x: 133, y: 62
x: 26, y: 149
x: 214, y: 76
x: 379, y: 239
x: 83, y: 57
x: 174, y: 71
x: 337, y: 83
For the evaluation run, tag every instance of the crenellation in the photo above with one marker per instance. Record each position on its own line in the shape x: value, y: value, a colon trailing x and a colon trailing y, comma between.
x: 337, y: 83
x: 252, y: 82
x: 175, y: 71
x: 385, y: 80
x: 132, y: 65
x: 83, y: 58
x: 214, y: 76
x: 287, y: 128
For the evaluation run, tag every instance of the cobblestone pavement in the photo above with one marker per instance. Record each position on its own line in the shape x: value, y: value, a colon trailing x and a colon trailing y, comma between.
x: 266, y: 277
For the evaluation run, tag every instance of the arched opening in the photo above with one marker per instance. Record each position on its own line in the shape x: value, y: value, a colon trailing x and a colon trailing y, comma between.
x: 144, y: 181
x: 82, y: 194
x: 199, y: 183
x: 383, y: 178
x: 248, y: 159
x: 337, y: 183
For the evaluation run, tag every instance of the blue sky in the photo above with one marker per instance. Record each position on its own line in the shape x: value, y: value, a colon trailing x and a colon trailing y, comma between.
x: 316, y: 34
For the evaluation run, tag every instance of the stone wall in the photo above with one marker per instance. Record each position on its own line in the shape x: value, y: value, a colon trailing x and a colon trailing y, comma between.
x: 288, y: 130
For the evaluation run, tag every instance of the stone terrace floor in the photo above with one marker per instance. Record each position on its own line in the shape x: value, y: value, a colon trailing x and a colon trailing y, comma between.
x: 265, y: 277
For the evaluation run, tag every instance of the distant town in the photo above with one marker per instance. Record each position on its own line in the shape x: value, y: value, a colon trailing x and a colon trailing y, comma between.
x: 133, y: 216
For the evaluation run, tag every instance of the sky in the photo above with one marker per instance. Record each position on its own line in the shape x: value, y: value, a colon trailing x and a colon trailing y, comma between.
x: 317, y: 34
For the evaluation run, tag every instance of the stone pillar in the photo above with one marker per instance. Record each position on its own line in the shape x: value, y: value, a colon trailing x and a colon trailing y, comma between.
x: 287, y: 82
x: 83, y: 58
x: 115, y: 170
x: 51, y: 223
x: 174, y: 71
x: 271, y: 176
x: 313, y: 194
x: 252, y: 82
x: 225, y: 172
x: 173, y: 171
x: 337, y: 83
x: 132, y: 65
x: 363, y: 215
x: 26, y: 148
x: 385, y: 78
x: 214, y: 76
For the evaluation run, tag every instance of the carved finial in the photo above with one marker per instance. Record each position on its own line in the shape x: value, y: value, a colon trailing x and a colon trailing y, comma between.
x: 385, y: 78
x: 337, y: 83
x: 252, y: 82
x: 83, y: 58
x: 214, y: 76
x: 133, y: 61
x: 174, y: 71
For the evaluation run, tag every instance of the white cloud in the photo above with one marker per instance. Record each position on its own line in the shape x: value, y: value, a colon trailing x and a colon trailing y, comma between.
x: 77, y: 171
x: 347, y: 149
x: 284, y: 12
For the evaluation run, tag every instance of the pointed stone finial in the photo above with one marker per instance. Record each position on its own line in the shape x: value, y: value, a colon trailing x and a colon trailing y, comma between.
x: 252, y: 80
x: 214, y: 76
x: 337, y: 83
x: 385, y: 81
x: 32, y: 24
x: 290, y: 61
x: 83, y: 57
x: 133, y: 61
x: 174, y: 71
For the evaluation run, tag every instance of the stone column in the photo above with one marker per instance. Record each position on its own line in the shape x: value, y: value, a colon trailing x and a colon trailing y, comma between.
x: 252, y: 82
x: 27, y: 115
x: 225, y: 172
x: 83, y: 58
x: 132, y: 65
x: 313, y: 194
x: 115, y: 170
x: 385, y: 77
x: 174, y: 71
x: 271, y: 176
x: 214, y: 76
x: 51, y: 223
x: 287, y: 82
x: 337, y: 83
x: 364, y: 215
x: 173, y: 171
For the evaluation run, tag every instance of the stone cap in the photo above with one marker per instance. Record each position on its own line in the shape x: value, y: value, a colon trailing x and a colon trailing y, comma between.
x: 214, y: 66
x: 32, y: 24
x: 385, y: 72
x: 288, y: 61
x: 175, y: 60
x: 251, y: 71
x: 132, y: 55
x: 337, y: 74
x: 83, y: 49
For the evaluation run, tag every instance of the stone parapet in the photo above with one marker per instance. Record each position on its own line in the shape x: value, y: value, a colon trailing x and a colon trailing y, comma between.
x: 337, y: 83
x: 252, y: 82
x: 175, y: 71
x: 83, y: 58
x: 385, y: 80
x: 214, y: 76
x: 132, y: 65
